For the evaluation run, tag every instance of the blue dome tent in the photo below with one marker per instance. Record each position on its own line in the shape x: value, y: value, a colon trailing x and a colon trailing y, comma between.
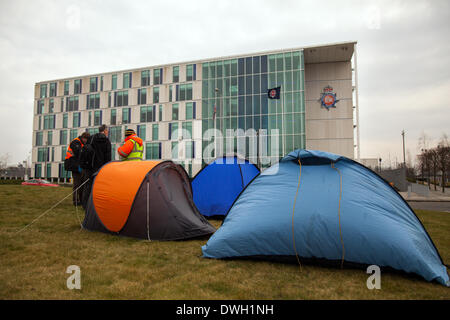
x: 218, y: 184
x: 318, y: 205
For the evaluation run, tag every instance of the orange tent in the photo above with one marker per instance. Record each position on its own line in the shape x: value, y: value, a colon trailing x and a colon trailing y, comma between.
x: 144, y: 199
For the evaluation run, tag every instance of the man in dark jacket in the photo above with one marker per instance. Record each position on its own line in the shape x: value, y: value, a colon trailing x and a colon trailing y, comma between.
x: 101, y: 147
x: 72, y: 163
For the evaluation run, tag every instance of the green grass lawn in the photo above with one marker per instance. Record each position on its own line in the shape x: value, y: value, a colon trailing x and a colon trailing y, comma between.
x: 33, y: 263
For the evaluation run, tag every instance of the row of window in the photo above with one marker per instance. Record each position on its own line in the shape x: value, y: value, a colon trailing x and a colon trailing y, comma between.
x: 126, y: 81
x: 183, y: 92
x: 289, y: 123
x: 148, y: 114
x: 152, y: 151
x: 115, y: 133
x: 275, y: 146
x: 253, y: 65
x: 253, y: 84
x: 252, y: 105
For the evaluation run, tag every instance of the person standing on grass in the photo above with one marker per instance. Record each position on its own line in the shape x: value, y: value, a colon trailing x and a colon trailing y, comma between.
x: 98, y: 153
x: 133, y: 147
x: 72, y: 163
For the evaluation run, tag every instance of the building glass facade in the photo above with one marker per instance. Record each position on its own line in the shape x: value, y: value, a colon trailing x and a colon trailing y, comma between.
x: 234, y: 96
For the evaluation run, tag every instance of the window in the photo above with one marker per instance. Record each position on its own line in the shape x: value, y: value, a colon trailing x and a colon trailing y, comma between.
x: 190, y: 72
x: 49, y: 138
x: 42, y: 155
x: 114, y: 82
x: 77, y: 88
x: 113, y: 152
x: 40, y: 107
x: 51, y: 105
x: 126, y: 115
x: 127, y: 80
x: 62, y: 105
x: 62, y: 172
x: 39, y: 138
x: 145, y: 78
x: 66, y: 87
x: 155, y: 132
x: 189, y: 149
x: 170, y: 93
x: 176, y: 74
x: 173, y: 131
x: 93, y: 84
x: 148, y: 114
x: 49, y: 170
x: 90, y: 119
x: 175, y: 111
x: 65, y: 119
x: 157, y: 76
x: 52, y: 89
x: 205, y: 72
x: 155, y: 94
x: 121, y: 98
x: 76, y: 120
x: 142, y: 96
x: 101, y: 83
x: 113, y: 116
x: 49, y: 122
x: 93, y: 101
x: 190, y: 110
x: 160, y: 112
x: 63, y: 152
x: 187, y: 130
x: 97, y: 118
x: 141, y: 131
x: 63, y: 137
x: 184, y: 92
x: 72, y: 103
x: 43, y: 93
x: 175, y: 150
x: 153, y: 150
x: 37, y: 170
x: 115, y: 134
x: 73, y: 134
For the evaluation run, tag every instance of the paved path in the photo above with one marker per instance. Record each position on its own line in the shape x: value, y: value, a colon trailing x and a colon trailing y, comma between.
x: 443, y: 206
x: 433, y: 196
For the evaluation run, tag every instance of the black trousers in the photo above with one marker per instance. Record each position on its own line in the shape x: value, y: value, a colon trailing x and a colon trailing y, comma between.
x: 77, y: 181
x: 87, y: 174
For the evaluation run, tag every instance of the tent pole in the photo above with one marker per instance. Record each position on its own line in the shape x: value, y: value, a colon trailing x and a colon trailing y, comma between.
x: 148, y: 211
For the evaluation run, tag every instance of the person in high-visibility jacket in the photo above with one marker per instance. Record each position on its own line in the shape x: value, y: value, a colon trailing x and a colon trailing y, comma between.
x: 133, y: 147
x: 72, y: 163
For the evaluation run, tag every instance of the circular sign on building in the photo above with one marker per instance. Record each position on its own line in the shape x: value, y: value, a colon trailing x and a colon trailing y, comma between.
x: 328, y: 98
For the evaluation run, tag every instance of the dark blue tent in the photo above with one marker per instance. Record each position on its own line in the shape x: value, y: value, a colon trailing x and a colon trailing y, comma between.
x: 318, y: 205
x: 218, y: 184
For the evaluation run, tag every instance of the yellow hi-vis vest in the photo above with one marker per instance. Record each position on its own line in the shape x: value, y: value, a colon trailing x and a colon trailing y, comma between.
x: 136, y: 153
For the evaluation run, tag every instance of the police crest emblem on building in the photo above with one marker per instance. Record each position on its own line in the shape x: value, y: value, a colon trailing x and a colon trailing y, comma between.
x: 328, y: 98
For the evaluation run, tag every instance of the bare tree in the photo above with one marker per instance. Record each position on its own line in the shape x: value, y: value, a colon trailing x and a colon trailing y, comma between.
x: 424, y: 141
x: 443, y: 155
x: 434, y: 164
x: 424, y: 162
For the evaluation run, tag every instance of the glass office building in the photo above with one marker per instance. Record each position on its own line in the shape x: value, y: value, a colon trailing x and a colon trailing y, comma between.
x: 193, y: 111
x: 235, y: 96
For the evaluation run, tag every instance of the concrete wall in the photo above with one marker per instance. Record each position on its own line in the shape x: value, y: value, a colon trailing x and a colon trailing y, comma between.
x: 329, y: 130
x: 396, y: 176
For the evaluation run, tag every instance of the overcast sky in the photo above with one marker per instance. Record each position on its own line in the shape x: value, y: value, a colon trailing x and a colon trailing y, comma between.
x: 403, y: 53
